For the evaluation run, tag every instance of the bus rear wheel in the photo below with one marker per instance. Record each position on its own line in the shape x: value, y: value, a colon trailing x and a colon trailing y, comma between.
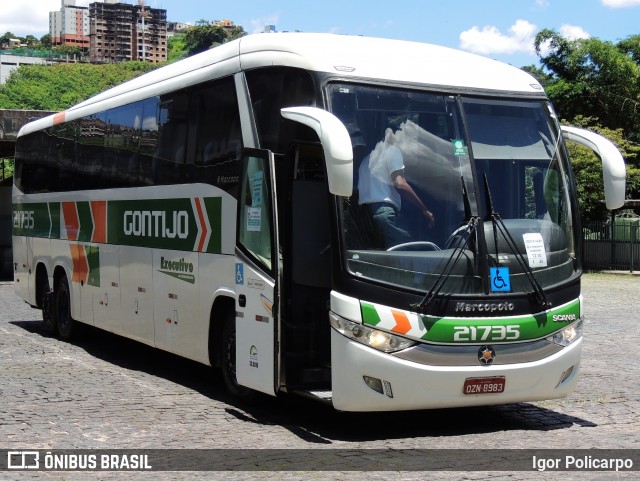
x: 45, y: 303
x: 62, y: 310
x: 228, y: 360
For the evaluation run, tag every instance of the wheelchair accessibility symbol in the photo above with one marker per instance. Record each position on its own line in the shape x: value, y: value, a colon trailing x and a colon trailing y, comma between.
x: 239, y: 273
x: 500, y: 279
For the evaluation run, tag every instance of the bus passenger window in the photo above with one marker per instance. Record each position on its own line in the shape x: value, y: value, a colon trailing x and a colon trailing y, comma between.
x: 273, y: 89
x: 215, y: 137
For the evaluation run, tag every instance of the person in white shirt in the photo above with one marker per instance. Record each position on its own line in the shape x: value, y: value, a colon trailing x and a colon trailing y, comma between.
x: 382, y: 186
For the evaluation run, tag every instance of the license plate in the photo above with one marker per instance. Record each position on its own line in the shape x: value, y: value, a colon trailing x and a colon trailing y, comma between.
x: 483, y: 385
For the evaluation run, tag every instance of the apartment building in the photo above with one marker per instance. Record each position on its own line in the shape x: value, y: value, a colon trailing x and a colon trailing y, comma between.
x: 122, y: 32
x: 70, y: 25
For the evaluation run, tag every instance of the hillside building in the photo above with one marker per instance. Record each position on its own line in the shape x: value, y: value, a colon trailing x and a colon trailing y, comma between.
x: 70, y: 25
x: 122, y: 32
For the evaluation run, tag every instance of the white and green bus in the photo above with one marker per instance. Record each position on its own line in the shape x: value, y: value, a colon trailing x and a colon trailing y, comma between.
x: 222, y: 208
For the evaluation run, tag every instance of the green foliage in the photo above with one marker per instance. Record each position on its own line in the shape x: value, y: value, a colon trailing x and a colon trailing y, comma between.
x: 29, y: 40
x: 205, y: 35
x: 596, y: 85
x: 6, y: 168
x: 540, y: 75
x: 592, y: 77
x: 57, y: 87
x: 587, y: 169
x: 177, y: 48
x: 45, y: 41
x: 7, y: 36
x: 69, y: 51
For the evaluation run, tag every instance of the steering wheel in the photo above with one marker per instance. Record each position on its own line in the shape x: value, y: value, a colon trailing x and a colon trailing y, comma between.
x: 414, y: 246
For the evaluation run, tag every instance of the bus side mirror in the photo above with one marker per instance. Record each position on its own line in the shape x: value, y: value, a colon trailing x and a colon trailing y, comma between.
x: 335, y: 141
x: 613, y: 170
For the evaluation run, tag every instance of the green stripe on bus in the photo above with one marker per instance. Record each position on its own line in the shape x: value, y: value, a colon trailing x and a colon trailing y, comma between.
x: 369, y: 314
x: 93, y: 261
x: 155, y: 223
x: 507, y: 329
x: 85, y: 220
x: 54, y: 215
x: 31, y: 220
x: 158, y: 223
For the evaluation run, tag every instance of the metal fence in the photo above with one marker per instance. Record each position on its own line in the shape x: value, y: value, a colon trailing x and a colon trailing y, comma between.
x: 612, y: 245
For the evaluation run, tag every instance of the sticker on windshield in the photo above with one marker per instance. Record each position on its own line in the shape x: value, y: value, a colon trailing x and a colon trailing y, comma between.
x: 254, y: 219
x: 459, y: 148
x: 536, y: 252
x: 256, y: 189
x: 500, y: 279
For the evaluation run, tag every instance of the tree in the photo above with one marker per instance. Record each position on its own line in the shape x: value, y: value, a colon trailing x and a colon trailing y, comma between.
x: 6, y: 168
x: 236, y: 32
x: 592, y: 77
x: 31, y: 41
x: 45, y: 40
x: 631, y: 47
x: 177, y: 48
x: 205, y: 35
x: 596, y: 85
x: 4, y: 40
x: 587, y: 169
x: 539, y: 74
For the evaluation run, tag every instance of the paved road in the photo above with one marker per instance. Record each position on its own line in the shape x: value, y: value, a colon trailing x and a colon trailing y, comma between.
x: 103, y: 392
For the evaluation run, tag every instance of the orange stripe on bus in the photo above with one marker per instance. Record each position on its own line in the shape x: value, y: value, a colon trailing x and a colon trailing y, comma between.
x: 59, y: 118
x: 71, y: 220
x: 80, y: 264
x: 99, y: 211
x: 403, y: 325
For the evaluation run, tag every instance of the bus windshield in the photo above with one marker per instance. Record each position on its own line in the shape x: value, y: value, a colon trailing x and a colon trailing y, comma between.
x: 430, y: 169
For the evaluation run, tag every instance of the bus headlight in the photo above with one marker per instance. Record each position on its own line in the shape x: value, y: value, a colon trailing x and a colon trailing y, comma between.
x: 567, y: 335
x: 383, y: 341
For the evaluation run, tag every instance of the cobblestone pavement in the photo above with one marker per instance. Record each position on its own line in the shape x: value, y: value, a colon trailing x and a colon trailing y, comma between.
x: 104, y: 392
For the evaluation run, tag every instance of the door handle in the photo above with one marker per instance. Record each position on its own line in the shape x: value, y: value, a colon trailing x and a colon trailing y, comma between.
x: 242, y: 300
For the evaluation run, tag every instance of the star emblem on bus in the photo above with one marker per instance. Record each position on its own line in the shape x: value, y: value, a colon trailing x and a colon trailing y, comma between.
x: 486, y: 355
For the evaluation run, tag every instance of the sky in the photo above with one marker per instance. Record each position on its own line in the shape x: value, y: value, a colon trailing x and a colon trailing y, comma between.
x: 499, y: 29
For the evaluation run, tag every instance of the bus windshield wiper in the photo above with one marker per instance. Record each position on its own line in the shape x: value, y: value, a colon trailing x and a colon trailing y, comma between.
x: 470, y: 230
x: 498, y: 225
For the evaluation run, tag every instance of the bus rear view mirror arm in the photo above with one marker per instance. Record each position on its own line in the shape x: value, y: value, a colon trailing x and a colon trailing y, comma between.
x: 335, y: 140
x: 613, y: 170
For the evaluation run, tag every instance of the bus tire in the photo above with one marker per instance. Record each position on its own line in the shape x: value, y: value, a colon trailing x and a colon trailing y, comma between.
x: 45, y: 300
x: 228, y: 360
x: 62, y: 310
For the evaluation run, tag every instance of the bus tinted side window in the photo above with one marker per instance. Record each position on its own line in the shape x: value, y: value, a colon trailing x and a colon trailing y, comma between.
x: 272, y: 89
x: 122, y: 143
x: 188, y: 136
x: 64, y: 140
x: 173, y: 125
x: 215, y: 136
x: 90, y: 155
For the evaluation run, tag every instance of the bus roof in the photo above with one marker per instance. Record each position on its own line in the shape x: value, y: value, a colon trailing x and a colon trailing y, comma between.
x: 344, y: 56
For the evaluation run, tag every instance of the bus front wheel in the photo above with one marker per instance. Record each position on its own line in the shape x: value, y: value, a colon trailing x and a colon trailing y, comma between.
x: 228, y: 360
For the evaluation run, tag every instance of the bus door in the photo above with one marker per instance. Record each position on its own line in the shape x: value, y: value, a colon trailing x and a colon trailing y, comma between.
x: 257, y: 272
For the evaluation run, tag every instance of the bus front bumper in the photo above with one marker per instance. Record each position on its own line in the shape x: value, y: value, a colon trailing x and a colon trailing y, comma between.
x: 408, y: 385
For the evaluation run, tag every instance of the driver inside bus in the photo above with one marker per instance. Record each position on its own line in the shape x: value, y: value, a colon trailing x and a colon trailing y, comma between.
x: 382, y: 186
